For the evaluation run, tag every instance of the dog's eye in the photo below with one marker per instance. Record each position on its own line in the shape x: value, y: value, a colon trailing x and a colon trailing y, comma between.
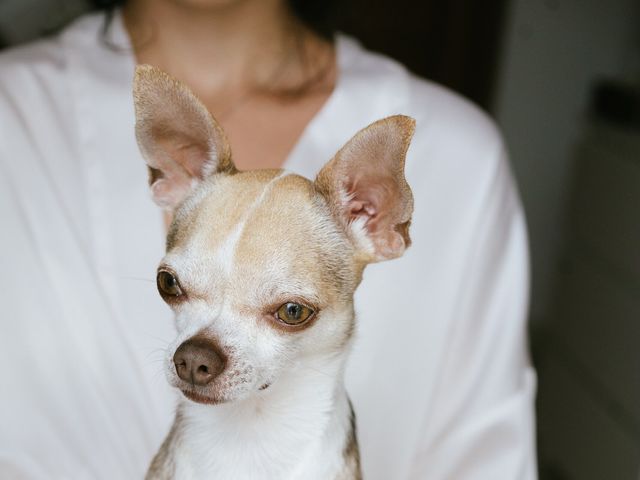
x: 293, y: 313
x: 168, y: 284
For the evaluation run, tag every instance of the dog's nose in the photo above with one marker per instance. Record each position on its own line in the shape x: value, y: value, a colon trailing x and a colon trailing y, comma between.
x: 198, y: 361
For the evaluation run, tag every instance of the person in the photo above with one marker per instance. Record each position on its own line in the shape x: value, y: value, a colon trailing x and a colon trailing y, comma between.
x: 439, y: 375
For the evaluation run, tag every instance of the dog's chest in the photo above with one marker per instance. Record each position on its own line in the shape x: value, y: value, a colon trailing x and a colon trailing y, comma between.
x: 262, y: 445
x: 304, y: 462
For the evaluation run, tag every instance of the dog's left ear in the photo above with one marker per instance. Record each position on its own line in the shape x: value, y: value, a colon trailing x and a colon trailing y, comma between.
x: 367, y: 191
x: 178, y: 138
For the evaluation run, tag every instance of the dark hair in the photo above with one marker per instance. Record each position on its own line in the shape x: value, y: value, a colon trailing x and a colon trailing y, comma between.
x: 319, y: 15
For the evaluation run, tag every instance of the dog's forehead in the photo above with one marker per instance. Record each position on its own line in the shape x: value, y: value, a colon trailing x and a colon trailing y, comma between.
x: 270, y: 224
x: 237, y: 205
x: 220, y: 203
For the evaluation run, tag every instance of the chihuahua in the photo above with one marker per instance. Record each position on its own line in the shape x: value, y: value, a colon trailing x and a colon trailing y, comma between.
x: 260, y: 270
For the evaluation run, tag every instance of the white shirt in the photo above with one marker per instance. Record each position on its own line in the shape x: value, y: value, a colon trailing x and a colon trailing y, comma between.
x: 440, y: 376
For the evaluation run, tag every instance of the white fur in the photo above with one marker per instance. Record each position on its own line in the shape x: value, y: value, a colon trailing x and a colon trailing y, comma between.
x: 358, y: 226
x: 360, y: 235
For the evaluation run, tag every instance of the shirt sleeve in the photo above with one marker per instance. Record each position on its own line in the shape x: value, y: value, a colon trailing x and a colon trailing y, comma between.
x: 481, y: 424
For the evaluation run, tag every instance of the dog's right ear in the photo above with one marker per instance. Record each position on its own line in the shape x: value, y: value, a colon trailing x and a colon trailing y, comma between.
x: 366, y: 189
x: 178, y: 138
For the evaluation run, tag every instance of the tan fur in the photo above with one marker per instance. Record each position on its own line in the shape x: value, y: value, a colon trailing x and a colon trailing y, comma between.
x: 162, y: 466
x: 351, y: 453
x: 301, y: 232
x: 229, y: 194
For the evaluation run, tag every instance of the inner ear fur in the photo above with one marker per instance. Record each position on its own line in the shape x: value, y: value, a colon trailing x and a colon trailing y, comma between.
x: 366, y: 189
x: 179, y: 139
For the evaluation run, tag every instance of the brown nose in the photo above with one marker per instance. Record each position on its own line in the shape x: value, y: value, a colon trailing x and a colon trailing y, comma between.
x: 198, y: 361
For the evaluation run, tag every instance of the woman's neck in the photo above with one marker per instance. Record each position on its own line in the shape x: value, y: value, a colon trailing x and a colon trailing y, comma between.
x: 239, y: 45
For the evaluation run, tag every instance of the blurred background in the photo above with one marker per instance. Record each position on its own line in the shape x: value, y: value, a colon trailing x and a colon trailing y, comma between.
x: 562, y: 79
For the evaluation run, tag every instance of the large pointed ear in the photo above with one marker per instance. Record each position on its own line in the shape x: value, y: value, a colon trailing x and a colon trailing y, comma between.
x: 367, y: 191
x: 178, y: 138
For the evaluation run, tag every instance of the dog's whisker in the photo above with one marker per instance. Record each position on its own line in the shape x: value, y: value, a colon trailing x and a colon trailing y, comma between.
x: 156, y: 351
x: 161, y: 340
x: 139, y: 279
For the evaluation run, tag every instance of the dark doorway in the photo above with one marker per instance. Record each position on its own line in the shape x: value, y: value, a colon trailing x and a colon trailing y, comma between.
x: 453, y: 42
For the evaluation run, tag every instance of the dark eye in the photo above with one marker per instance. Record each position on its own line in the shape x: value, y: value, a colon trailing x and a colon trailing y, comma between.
x: 293, y: 313
x: 168, y: 284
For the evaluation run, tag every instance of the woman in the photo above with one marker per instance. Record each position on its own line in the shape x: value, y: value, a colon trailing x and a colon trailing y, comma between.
x: 439, y: 377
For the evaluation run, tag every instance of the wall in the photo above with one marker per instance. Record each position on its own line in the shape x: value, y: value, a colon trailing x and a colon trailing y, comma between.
x: 19, y: 21
x: 553, y: 50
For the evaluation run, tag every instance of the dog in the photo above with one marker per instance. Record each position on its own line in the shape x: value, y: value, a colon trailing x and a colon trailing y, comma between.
x: 260, y: 271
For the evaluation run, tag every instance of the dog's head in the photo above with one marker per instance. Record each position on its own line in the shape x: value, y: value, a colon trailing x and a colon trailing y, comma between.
x: 261, y: 266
